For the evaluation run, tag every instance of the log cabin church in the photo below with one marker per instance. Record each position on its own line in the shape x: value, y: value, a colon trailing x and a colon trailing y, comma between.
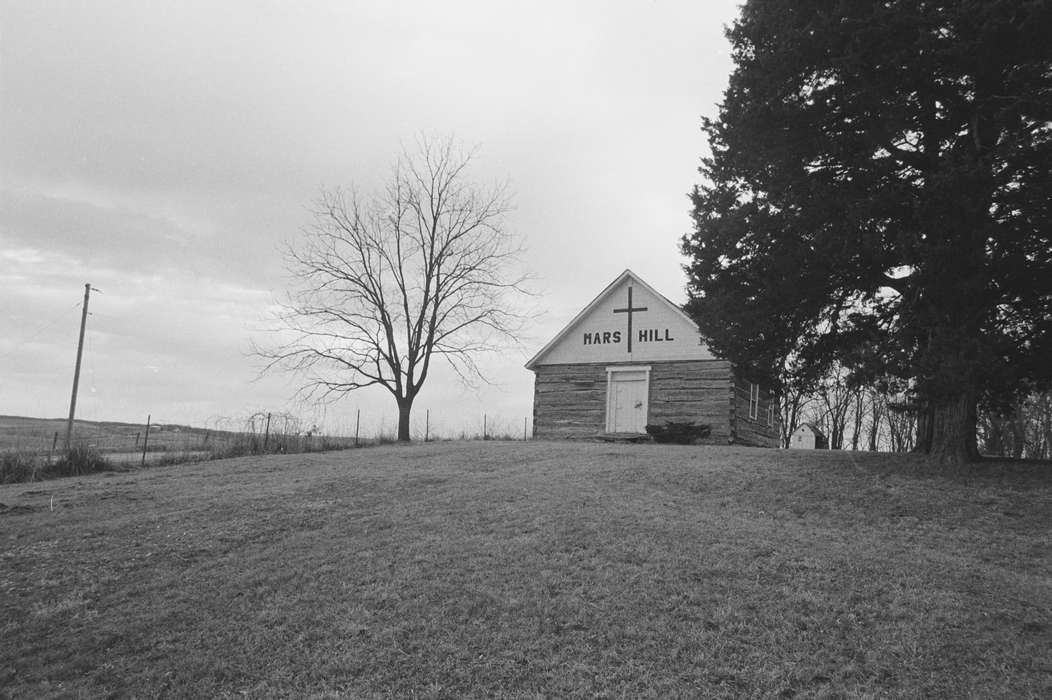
x: 632, y: 358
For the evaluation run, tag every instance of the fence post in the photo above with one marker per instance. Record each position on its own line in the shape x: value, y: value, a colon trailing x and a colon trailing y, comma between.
x: 266, y: 433
x: 357, y: 424
x: 145, y: 439
x: 427, y: 424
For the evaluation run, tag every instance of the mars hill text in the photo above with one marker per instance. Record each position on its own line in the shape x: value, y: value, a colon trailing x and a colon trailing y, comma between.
x: 649, y: 335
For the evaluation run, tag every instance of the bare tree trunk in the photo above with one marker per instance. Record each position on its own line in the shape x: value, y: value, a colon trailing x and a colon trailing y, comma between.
x: 856, y: 429
x: 792, y: 401
x: 993, y: 435
x: 876, y: 413
x: 909, y: 433
x: 925, y: 425
x: 1018, y: 427
x: 836, y: 432
x: 405, y: 406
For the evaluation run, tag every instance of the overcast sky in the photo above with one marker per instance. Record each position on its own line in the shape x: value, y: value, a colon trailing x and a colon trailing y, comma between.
x: 163, y: 152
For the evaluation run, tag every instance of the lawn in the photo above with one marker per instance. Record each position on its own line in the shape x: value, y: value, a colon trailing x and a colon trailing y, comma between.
x: 530, y: 570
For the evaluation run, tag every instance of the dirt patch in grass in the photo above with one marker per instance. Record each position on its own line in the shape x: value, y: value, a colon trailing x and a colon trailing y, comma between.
x: 539, y: 569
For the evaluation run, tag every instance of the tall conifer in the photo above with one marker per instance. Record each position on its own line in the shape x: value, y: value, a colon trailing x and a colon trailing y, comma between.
x: 879, y: 193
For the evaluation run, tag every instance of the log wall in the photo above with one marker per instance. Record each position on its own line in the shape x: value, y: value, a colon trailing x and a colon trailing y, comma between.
x: 697, y: 391
x: 760, y: 431
x: 570, y: 399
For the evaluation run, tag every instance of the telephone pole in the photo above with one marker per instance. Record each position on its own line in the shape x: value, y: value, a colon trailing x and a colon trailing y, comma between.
x: 76, y: 371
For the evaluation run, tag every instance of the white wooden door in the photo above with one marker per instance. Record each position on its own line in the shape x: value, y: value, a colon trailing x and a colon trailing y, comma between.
x: 627, y: 402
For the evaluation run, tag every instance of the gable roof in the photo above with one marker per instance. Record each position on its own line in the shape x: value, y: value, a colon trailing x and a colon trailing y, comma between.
x: 627, y: 274
x: 814, y: 429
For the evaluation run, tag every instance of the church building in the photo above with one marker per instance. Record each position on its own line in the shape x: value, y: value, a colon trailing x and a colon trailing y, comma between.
x: 632, y: 358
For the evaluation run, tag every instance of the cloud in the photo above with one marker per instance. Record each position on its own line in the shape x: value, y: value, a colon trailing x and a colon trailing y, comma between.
x: 163, y: 153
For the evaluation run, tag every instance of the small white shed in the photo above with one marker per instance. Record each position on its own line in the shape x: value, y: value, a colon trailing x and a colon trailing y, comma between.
x: 808, y: 437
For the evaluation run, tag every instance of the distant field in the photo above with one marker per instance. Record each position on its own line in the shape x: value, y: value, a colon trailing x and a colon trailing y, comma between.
x: 120, y: 442
x: 38, y: 434
x: 537, y: 570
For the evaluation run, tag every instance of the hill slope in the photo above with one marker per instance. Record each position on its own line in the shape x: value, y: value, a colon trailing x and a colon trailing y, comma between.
x: 481, y: 569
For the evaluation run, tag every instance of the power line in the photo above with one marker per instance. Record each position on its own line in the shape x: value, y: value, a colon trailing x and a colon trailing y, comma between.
x: 39, y: 330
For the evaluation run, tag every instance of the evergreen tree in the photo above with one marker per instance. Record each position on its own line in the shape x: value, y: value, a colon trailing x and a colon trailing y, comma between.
x: 879, y: 193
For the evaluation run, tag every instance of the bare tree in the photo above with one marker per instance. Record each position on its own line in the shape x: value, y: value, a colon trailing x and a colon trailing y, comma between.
x: 832, y: 399
x: 876, y: 402
x: 859, y: 401
x: 384, y: 284
x: 902, y: 423
x: 793, y: 401
x: 1019, y: 431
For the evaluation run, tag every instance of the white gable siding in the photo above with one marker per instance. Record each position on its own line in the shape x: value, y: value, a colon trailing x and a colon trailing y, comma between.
x: 659, y: 333
x: 803, y: 438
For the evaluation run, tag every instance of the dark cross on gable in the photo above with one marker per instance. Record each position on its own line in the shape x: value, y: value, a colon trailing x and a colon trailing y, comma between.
x: 629, y: 311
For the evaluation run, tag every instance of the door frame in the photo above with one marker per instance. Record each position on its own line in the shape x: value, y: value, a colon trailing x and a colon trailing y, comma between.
x: 611, y: 373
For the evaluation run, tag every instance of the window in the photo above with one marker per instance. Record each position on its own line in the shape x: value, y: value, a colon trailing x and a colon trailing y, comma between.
x: 754, y: 400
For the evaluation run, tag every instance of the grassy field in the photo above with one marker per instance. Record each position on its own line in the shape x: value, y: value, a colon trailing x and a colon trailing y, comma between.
x: 530, y: 570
